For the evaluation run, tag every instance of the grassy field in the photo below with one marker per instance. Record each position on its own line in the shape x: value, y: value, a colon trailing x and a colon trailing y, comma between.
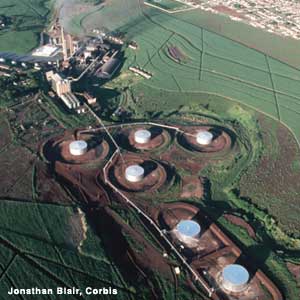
x: 216, y: 65
x: 167, y: 4
x: 27, y: 19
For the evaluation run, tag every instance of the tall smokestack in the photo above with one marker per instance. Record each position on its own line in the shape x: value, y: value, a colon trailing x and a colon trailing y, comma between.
x: 64, y: 44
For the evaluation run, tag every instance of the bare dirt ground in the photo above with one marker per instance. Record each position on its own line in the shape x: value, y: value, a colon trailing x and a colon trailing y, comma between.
x: 192, y: 187
x: 295, y: 270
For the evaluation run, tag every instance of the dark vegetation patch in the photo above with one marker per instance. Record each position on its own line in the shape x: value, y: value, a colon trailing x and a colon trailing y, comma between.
x: 273, y: 182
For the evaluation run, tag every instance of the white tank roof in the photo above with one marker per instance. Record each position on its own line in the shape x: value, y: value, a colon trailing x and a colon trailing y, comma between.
x: 142, y: 136
x: 78, y: 147
x: 188, y: 228
x: 235, y: 277
x: 134, y: 173
x: 204, y: 137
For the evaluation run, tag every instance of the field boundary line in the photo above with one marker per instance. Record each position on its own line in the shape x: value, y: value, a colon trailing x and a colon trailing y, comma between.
x: 7, y: 267
x: 273, y: 85
x: 233, y: 100
x: 158, y: 49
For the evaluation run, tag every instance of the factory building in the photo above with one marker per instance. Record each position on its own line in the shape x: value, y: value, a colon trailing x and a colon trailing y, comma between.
x: 134, y: 173
x: 109, y: 68
x: 70, y: 100
x: 60, y: 85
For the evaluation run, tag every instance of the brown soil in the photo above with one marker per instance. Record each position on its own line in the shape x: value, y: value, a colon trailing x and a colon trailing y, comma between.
x: 295, y: 270
x: 192, y: 187
x: 221, y: 140
x: 155, y: 174
x: 159, y: 137
x: 240, y: 222
x: 48, y: 188
x: 57, y: 149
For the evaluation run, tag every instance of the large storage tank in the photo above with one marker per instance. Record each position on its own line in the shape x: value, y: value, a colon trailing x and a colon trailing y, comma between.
x: 142, y: 136
x: 188, y: 232
x: 79, y: 147
x: 134, y: 173
x: 234, y: 278
x: 204, y: 137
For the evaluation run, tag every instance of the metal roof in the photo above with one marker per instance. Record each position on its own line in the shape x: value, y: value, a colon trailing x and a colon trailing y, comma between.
x: 188, y: 228
x: 235, y: 274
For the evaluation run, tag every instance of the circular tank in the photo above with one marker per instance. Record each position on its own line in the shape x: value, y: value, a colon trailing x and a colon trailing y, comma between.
x: 134, y: 173
x: 78, y: 147
x: 188, y: 228
x: 142, y: 136
x: 234, y: 278
x: 204, y: 137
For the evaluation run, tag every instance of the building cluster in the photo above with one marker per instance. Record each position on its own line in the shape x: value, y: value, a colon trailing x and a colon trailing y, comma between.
x: 279, y: 17
x: 62, y: 88
x: 139, y: 71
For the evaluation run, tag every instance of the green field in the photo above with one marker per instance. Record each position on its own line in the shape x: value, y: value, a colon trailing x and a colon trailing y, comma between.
x: 169, y: 5
x: 28, y: 19
x: 216, y: 65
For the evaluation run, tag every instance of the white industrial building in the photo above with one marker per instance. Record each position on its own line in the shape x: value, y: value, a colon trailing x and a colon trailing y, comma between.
x: 46, y: 51
x: 70, y: 100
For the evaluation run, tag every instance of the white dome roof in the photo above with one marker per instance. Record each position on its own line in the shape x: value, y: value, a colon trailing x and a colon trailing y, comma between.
x: 134, y: 173
x: 78, y: 147
x: 188, y: 228
x: 142, y: 136
x: 204, y: 137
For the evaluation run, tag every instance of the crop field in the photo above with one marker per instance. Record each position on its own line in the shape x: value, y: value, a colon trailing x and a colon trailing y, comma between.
x: 28, y: 19
x: 169, y: 5
x: 216, y: 65
x: 48, y: 237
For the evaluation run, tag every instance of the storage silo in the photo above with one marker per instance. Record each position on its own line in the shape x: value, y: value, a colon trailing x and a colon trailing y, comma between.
x: 188, y: 232
x: 79, y: 147
x: 142, y: 136
x: 204, y: 137
x: 134, y: 173
x: 234, y: 278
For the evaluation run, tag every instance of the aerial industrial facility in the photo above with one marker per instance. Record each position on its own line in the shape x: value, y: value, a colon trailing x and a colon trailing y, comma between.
x: 202, y: 247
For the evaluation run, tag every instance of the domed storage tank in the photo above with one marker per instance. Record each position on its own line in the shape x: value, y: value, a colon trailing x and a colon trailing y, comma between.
x: 234, y: 278
x: 188, y: 229
x: 142, y: 136
x: 79, y: 147
x: 204, y: 137
x: 134, y: 173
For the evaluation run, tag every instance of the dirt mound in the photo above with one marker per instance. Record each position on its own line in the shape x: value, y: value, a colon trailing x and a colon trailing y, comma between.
x: 154, y: 178
x: 242, y: 223
x: 57, y: 149
x: 159, y: 138
x: 222, y: 141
